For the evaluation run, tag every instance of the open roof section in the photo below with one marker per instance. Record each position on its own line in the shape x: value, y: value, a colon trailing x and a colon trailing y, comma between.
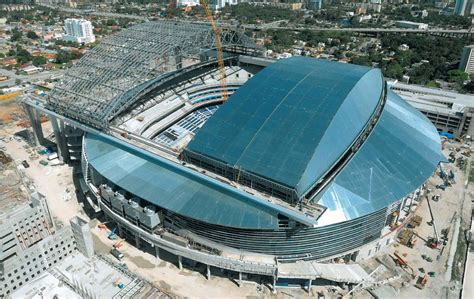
x: 91, y: 91
x: 293, y: 121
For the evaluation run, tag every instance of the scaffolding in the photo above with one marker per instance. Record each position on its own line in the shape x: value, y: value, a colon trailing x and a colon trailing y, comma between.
x: 90, y: 92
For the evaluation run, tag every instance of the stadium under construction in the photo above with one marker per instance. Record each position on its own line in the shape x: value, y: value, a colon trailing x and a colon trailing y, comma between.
x: 307, y: 162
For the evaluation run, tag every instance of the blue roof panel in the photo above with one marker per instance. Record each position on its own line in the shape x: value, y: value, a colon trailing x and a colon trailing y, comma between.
x: 401, y: 153
x: 178, y: 189
x: 293, y: 120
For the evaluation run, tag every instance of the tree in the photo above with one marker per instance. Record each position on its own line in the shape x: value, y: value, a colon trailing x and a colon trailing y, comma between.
x: 63, y: 57
x: 15, y: 35
x: 111, y: 23
x: 22, y: 56
x: 361, y: 60
x: 39, y: 60
x: 31, y: 34
x: 394, y: 70
x: 458, y: 76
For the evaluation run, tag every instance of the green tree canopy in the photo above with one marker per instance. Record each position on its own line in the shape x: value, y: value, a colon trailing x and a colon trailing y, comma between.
x: 39, y: 60
x: 31, y: 34
x: 15, y: 35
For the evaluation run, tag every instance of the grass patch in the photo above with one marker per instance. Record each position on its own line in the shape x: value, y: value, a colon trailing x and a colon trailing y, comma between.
x: 458, y: 263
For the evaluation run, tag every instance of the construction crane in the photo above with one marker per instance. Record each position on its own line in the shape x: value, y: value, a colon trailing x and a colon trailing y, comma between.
x: 403, y: 264
x: 218, y: 42
x: 220, y: 55
x: 433, y: 242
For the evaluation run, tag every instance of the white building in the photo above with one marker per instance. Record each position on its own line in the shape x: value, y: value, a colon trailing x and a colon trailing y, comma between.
x: 218, y: 4
x: 449, y: 111
x: 467, y: 60
x: 411, y: 25
x: 185, y: 3
x: 79, y: 30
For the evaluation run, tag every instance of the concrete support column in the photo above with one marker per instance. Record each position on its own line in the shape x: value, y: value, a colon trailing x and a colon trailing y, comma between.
x: 35, y: 119
x: 157, y: 252
x: 274, y: 290
x: 60, y: 141
x: 310, y: 281
x: 120, y: 230
x: 137, y: 241
x: 180, y: 262
x: 208, y: 272
x: 240, y: 279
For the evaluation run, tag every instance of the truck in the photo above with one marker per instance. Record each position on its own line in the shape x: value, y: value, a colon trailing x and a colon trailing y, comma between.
x: 52, y: 156
x: 117, y: 254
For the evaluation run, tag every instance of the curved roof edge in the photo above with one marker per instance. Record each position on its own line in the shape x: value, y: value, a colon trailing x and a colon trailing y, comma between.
x: 355, y: 113
x: 401, y: 153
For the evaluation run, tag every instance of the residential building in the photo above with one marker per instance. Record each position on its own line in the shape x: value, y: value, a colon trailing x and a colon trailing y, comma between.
x: 79, y: 30
x: 315, y: 4
x: 411, y: 25
x: 467, y: 59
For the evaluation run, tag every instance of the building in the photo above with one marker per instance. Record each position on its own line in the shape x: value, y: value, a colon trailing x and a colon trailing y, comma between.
x: 467, y: 60
x: 218, y: 4
x: 245, y: 176
x: 185, y: 3
x: 411, y: 25
x: 29, y: 242
x: 82, y: 231
x: 79, y: 30
x: 315, y: 4
x: 463, y: 7
x: 449, y: 111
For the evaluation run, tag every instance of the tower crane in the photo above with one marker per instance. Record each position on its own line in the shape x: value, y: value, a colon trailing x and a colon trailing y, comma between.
x: 220, y: 55
x: 218, y: 42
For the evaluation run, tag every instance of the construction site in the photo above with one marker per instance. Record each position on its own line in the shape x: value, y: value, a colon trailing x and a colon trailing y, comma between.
x: 215, y: 173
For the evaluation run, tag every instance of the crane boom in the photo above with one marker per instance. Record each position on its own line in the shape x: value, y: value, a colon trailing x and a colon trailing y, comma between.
x: 220, y: 55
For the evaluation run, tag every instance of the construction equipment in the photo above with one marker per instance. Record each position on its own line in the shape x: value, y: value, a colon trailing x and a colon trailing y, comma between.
x: 403, y: 264
x: 415, y: 221
x: 432, y: 242
x: 444, y: 176
x: 102, y: 226
x: 118, y: 244
x: 112, y: 235
x: 421, y: 282
x: 117, y: 254
x: 220, y: 55
x: 407, y: 237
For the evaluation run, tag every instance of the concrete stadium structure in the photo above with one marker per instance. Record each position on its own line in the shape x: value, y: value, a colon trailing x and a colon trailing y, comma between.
x: 307, y: 162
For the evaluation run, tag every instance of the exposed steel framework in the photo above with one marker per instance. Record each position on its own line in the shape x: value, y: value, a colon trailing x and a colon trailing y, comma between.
x: 92, y: 91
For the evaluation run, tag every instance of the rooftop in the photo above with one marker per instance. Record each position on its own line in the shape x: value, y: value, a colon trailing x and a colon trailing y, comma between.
x: 12, y: 192
x: 283, y: 127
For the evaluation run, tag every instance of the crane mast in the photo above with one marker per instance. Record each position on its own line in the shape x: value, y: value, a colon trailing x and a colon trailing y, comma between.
x: 220, y: 55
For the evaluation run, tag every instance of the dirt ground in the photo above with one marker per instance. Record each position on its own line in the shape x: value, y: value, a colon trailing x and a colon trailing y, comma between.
x: 164, y: 273
x: 454, y: 202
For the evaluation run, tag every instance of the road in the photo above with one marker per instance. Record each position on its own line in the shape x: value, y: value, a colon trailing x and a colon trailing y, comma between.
x: 27, y: 78
x: 275, y: 25
x: 361, y: 30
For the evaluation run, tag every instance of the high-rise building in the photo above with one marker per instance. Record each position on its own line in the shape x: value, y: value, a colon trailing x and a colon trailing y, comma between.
x: 463, y: 7
x: 315, y: 4
x: 467, y: 59
x: 83, y: 236
x: 79, y: 30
